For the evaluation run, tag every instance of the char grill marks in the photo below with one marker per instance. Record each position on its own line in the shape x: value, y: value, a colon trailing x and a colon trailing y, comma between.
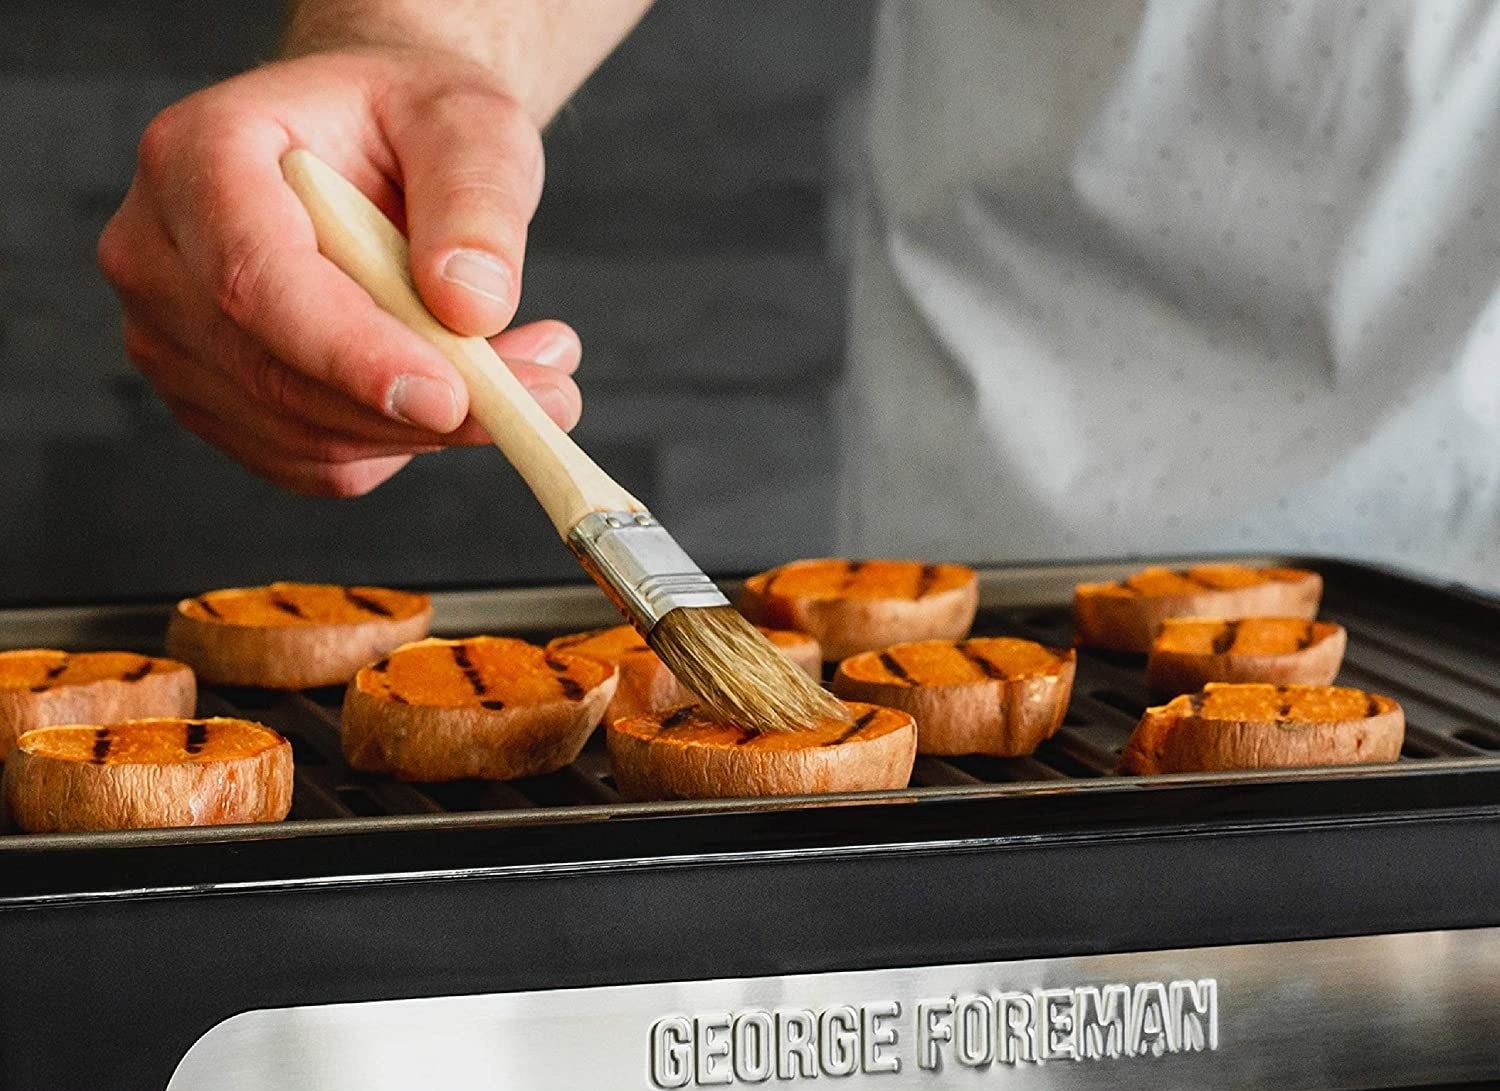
x: 885, y: 579
x: 987, y: 667
x: 851, y: 574
x: 1241, y: 636
x: 494, y: 673
x: 197, y: 737
x: 897, y: 671
x: 570, y: 688
x: 1290, y: 704
x: 103, y: 740
x: 688, y: 717
x: 89, y: 668
x: 1141, y: 582
x: 676, y: 719
x: 470, y: 672
x: 208, y: 607
x: 975, y: 664
x: 54, y: 672
x: 1224, y: 641
x: 367, y: 604
x: 855, y: 728
x: 287, y: 606
x: 135, y: 674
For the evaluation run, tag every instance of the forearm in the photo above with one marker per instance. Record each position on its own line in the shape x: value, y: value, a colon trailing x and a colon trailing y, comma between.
x: 539, y: 50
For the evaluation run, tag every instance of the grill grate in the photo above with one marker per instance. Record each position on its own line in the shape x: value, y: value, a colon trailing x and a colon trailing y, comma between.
x: 1449, y: 714
x: 1444, y: 673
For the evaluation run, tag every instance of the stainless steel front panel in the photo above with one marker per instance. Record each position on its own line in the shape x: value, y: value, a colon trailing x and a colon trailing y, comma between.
x: 1377, y: 1011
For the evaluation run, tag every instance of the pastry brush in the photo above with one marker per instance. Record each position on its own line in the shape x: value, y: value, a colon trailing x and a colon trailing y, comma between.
x: 739, y: 675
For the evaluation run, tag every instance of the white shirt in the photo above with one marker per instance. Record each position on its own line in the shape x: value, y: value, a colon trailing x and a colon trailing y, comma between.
x: 1180, y: 276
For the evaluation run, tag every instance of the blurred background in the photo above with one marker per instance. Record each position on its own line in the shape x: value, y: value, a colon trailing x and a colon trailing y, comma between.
x: 693, y: 230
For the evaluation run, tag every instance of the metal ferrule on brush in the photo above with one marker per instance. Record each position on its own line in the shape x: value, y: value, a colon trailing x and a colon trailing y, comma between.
x: 647, y: 573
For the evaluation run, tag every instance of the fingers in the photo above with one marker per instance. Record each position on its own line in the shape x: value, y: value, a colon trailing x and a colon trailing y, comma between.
x: 548, y: 342
x: 259, y: 427
x: 555, y: 392
x: 262, y: 346
x: 164, y: 304
x: 471, y: 165
x: 244, y: 236
x: 337, y: 479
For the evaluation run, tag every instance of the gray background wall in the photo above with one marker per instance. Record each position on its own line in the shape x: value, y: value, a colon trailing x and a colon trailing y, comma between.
x: 691, y: 231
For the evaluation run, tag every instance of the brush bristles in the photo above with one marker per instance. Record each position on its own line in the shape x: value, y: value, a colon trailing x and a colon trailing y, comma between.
x: 739, y: 675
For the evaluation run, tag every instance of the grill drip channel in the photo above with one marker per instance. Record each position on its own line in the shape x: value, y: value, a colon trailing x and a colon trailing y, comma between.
x: 1451, y: 695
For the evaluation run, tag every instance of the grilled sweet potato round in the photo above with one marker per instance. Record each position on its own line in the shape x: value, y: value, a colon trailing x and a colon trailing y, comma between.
x: 646, y: 685
x: 143, y: 773
x: 486, y: 706
x: 1256, y: 726
x: 985, y: 695
x: 1125, y: 616
x: 682, y: 754
x: 858, y: 606
x: 42, y: 686
x: 293, y: 635
x: 1188, y: 653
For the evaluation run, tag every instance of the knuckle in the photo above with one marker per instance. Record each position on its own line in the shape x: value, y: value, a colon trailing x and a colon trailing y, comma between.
x: 114, y: 255
x: 238, y: 284
x: 270, y: 382
x: 490, y: 118
x: 161, y: 141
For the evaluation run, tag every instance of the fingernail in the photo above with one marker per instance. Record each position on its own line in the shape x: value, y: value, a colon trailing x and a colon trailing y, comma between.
x: 552, y: 351
x: 481, y: 273
x: 427, y: 403
x: 557, y: 405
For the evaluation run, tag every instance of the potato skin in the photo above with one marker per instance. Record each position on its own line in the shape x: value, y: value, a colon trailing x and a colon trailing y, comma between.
x: 46, y: 795
x: 1004, y: 718
x: 1165, y: 741
x: 1169, y: 673
x: 1128, y: 623
x: 658, y: 768
x: 435, y: 743
x: 847, y: 626
x: 164, y: 693
x: 286, y: 656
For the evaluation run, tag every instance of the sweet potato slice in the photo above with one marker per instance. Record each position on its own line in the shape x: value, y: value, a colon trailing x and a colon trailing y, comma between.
x: 1188, y: 653
x: 43, y: 686
x: 144, y: 773
x: 486, y: 706
x: 1256, y: 725
x: 1125, y: 616
x: 857, y: 606
x: 985, y: 695
x: 646, y: 685
x: 293, y: 635
x: 682, y: 754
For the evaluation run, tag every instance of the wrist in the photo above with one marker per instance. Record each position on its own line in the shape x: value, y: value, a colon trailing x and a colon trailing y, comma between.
x: 469, y: 32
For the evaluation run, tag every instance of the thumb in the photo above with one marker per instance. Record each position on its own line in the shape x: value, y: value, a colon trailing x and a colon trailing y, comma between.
x: 471, y: 165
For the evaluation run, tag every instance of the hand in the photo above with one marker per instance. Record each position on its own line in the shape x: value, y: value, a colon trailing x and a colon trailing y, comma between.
x: 264, y: 348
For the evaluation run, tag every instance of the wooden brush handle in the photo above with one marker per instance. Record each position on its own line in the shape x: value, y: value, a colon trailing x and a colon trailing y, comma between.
x: 357, y: 237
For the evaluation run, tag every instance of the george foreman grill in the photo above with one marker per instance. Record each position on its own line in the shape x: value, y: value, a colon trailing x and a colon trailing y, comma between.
x: 1028, y: 923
